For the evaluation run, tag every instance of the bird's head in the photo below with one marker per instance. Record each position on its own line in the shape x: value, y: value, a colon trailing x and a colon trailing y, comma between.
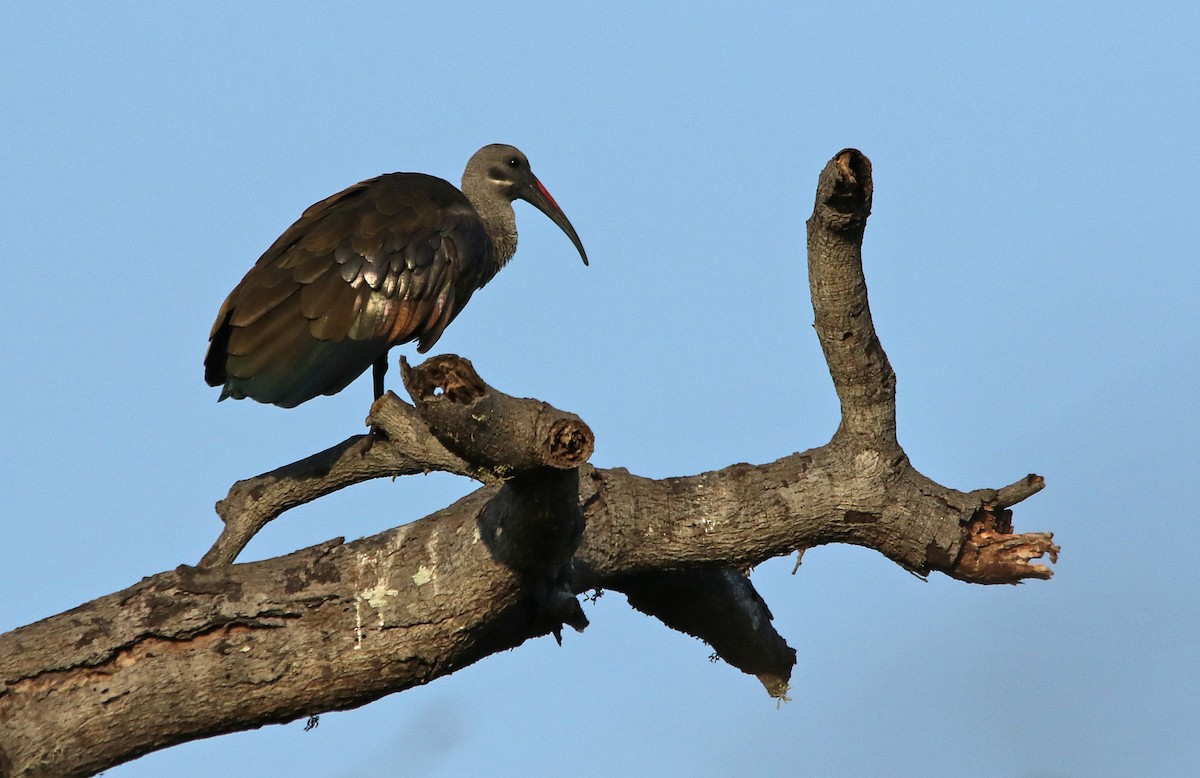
x: 505, y: 169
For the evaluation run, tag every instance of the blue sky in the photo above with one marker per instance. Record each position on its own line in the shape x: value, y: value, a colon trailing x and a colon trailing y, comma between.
x: 1032, y: 267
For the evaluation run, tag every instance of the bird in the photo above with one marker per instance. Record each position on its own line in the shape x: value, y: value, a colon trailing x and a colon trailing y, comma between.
x: 386, y: 261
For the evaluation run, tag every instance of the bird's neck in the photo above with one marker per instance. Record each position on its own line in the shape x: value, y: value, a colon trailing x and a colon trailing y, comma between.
x: 498, y: 218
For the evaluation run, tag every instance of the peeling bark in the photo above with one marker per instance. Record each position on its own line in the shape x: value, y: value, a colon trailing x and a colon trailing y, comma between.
x: 223, y: 647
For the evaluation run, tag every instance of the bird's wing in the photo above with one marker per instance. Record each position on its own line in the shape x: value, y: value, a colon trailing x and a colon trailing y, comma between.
x: 386, y: 261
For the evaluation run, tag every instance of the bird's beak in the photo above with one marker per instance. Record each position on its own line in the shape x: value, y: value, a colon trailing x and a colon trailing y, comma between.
x: 536, y: 194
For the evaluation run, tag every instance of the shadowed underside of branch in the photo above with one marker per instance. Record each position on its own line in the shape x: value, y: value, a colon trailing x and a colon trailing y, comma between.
x: 222, y: 647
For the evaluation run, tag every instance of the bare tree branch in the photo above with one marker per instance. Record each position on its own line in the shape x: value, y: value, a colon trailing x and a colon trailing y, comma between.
x: 200, y: 651
x: 406, y: 448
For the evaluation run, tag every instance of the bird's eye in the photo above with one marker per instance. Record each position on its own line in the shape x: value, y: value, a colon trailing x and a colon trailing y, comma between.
x: 514, y: 163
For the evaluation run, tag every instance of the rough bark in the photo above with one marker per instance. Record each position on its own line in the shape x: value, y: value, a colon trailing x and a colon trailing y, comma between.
x: 222, y: 647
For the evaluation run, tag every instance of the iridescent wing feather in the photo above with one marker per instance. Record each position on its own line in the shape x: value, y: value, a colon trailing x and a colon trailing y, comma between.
x: 387, y: 261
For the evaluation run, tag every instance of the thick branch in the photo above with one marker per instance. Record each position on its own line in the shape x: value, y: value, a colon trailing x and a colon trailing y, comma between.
x: 195, y: 652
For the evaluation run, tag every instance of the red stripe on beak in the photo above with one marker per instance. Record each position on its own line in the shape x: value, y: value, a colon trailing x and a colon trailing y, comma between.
x: 546, y: 193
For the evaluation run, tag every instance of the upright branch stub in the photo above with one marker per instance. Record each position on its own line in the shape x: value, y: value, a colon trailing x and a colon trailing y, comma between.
x: 862, y: 376
x: 490, y: 429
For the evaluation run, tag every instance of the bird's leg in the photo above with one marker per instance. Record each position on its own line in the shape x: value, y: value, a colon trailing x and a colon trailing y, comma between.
x: 378, y: 371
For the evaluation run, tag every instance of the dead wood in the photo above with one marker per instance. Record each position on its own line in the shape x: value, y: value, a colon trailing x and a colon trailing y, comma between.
x: 222, y: 647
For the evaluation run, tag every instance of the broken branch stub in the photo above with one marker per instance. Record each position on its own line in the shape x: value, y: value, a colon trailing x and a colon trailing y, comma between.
x: 992, y: 554
x: 490, y: 429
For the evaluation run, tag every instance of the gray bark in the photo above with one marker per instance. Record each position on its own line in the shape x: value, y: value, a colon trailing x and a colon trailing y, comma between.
x: 222, y: 647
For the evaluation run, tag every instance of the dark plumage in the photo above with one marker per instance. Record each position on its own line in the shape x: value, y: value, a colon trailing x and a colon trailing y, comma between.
x: 387, y: 261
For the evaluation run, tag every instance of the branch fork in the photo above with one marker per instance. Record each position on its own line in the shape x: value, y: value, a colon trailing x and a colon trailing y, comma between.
x: 340, y: 624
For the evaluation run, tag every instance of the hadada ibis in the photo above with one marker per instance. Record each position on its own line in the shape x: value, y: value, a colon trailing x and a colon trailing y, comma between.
x: 390, y: 260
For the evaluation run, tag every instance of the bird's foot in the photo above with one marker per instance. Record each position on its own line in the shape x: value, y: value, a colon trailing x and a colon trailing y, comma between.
x: 374, y: 435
